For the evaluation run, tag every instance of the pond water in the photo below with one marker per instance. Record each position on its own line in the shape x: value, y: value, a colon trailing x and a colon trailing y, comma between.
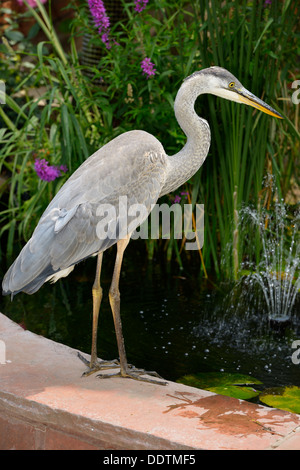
x: 173, y: 322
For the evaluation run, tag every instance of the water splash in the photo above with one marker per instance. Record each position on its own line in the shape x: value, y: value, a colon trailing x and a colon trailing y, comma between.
x: 277, y: 271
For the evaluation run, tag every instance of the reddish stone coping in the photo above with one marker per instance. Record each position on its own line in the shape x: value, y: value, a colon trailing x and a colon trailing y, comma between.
x: 46, y: 404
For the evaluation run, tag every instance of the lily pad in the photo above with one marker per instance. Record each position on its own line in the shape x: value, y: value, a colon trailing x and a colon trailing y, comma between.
x: 231, y: 385
x: 235, y: 391
x: 284, y: 398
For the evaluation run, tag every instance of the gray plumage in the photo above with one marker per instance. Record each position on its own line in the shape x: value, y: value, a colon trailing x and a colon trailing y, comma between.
x: 134, y: 165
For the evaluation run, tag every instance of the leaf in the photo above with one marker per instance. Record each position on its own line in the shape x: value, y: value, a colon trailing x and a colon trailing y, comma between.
x: 231, y: 385
x: 262, y: 34
x: 66, y: 132
x: 14, y: 36
x: 284, y: 398
x: 243, y: 393
x: 216, y: 379
x: 11, y: 236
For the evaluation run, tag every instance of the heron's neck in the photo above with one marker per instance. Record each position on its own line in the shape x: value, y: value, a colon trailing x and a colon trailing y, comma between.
x: 184, y: 164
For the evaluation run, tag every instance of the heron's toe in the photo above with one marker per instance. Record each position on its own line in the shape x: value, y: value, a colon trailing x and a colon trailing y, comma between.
x: 98, y: 365
x: 132, y: 372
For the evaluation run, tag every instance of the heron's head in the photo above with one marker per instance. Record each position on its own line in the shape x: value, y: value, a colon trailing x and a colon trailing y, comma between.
x: 220, y: 82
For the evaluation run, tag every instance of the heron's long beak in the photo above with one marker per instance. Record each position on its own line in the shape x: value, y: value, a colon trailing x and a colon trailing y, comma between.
x: 247, y: 97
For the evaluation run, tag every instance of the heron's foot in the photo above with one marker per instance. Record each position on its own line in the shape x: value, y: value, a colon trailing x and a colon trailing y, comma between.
x: 132, y: 372
x: 96, y: 366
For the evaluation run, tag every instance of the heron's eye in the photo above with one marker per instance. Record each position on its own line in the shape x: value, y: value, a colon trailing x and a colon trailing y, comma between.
x: 231, y: 85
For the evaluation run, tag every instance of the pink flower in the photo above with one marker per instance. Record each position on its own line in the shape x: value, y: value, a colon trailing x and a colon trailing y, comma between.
x: 148, y: 67
x: 101, y: 20
x: 48, y: 172
x: 31, y: 3
x: 140, y: 5
x: 177, y: 199
x: 184, y: 193
x: 105, y: 40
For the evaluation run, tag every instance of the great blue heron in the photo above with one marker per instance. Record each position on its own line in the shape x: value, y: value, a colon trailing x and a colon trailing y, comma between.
x: 134, y: 165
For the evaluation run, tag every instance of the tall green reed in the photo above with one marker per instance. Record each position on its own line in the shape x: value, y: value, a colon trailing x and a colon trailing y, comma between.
x: 251, y: 40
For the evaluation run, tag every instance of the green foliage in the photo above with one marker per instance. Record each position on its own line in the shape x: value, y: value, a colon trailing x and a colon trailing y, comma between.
x: 75, y: 115
x: 231, y: 385
x: 240, y: 386
x: 284, y: 398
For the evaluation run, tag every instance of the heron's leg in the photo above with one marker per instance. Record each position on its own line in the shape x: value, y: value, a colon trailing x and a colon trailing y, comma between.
x: 94, y: 364
x: 97, y: 294
x: 114, y: 299
x: 126, y: 370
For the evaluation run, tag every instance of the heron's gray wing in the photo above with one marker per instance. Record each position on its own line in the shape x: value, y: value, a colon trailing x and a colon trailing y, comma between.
x: 74, y: 226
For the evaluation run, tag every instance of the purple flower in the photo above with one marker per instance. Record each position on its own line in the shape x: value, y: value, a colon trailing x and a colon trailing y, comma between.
x: 48, y: 172
x: 177, y: 199
x: 140, y: 5
x: 184, y: 193
x: 105, y: 40
x: 148, y: 67
x: 101, y: 19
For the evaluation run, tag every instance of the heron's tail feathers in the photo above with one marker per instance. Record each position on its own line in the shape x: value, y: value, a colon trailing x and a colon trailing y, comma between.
x: 32, y: 267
